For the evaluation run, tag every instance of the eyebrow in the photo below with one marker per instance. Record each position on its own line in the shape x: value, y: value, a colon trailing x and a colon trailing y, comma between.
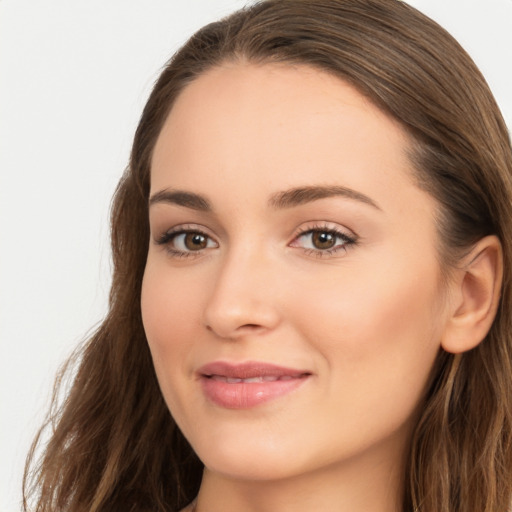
x: 302, y: 195
x: 181, y: 198
x: 282, y: 200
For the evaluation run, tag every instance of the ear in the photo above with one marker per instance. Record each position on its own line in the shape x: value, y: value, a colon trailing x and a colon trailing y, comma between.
x: 475, y: 294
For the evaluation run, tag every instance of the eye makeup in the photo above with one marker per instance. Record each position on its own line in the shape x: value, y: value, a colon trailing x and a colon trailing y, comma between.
x: 320, y: 240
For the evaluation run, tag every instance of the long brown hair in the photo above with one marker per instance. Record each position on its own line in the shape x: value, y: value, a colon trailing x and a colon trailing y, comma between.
x: 114, y: 445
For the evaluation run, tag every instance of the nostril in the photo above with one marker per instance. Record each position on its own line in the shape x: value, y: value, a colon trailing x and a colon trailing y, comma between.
x: 241, y: 330
x: 250, y: 329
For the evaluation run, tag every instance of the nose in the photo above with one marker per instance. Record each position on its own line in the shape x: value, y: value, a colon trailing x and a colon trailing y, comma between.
x: 243, y: 300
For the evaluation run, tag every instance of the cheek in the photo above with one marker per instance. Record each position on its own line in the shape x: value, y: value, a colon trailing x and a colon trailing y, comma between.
x: 368, y: 309
x: 170, y: 302
x: 379, y: 334
x: 170, y: 319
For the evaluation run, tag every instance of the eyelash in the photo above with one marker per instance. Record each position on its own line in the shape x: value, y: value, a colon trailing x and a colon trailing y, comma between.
x: 167, y: 238
x: 348, y: 240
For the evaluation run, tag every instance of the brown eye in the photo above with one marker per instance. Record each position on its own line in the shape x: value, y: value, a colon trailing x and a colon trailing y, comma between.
x: 323, y: 239
x: 195, y: 241
x: 324, y: 242
x: 187, y: 242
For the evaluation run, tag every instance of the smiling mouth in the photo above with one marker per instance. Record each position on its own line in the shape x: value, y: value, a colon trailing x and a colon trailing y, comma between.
x: 247, y: 385
x: 251, y: 380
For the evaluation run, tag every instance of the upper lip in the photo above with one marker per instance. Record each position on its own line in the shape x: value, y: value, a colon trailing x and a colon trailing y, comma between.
x: 248, y: 370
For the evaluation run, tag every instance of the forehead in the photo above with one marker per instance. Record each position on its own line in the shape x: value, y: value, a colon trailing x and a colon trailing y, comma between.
x: 254, y: 128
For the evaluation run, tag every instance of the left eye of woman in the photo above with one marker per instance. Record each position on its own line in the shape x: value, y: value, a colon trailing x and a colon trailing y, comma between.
x: 323, y: 241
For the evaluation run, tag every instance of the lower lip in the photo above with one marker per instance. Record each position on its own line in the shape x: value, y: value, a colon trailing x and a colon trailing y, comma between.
x: 244, y: 395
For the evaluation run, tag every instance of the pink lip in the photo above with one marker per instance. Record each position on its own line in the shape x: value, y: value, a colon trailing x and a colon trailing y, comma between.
x: 246, y: 385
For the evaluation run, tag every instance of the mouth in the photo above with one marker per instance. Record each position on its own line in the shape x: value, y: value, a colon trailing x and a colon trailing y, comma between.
x: 236, y: 380
x: 246, y: 385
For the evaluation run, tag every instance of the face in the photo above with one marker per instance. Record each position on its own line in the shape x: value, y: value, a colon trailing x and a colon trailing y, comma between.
x: 292, y: 297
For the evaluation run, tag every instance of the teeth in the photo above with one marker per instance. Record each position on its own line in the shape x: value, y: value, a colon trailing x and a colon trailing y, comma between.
x: 254, y: 379
x: 251, y: 380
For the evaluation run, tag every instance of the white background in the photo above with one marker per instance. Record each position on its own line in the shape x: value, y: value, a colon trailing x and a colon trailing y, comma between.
x: 74, y: 75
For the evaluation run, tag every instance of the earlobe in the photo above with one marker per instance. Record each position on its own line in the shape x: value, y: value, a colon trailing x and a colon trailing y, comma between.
x: 476, y: 292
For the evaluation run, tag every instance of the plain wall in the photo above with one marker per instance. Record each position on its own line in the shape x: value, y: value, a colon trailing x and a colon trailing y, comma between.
x: 74, y: 75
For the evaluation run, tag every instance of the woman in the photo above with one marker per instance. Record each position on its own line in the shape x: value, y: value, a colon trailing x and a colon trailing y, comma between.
x: 312, y: 252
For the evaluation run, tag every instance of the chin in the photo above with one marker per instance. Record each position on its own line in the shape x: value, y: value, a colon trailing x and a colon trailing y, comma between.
x: 252, y: 465
x: 251, y: 457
